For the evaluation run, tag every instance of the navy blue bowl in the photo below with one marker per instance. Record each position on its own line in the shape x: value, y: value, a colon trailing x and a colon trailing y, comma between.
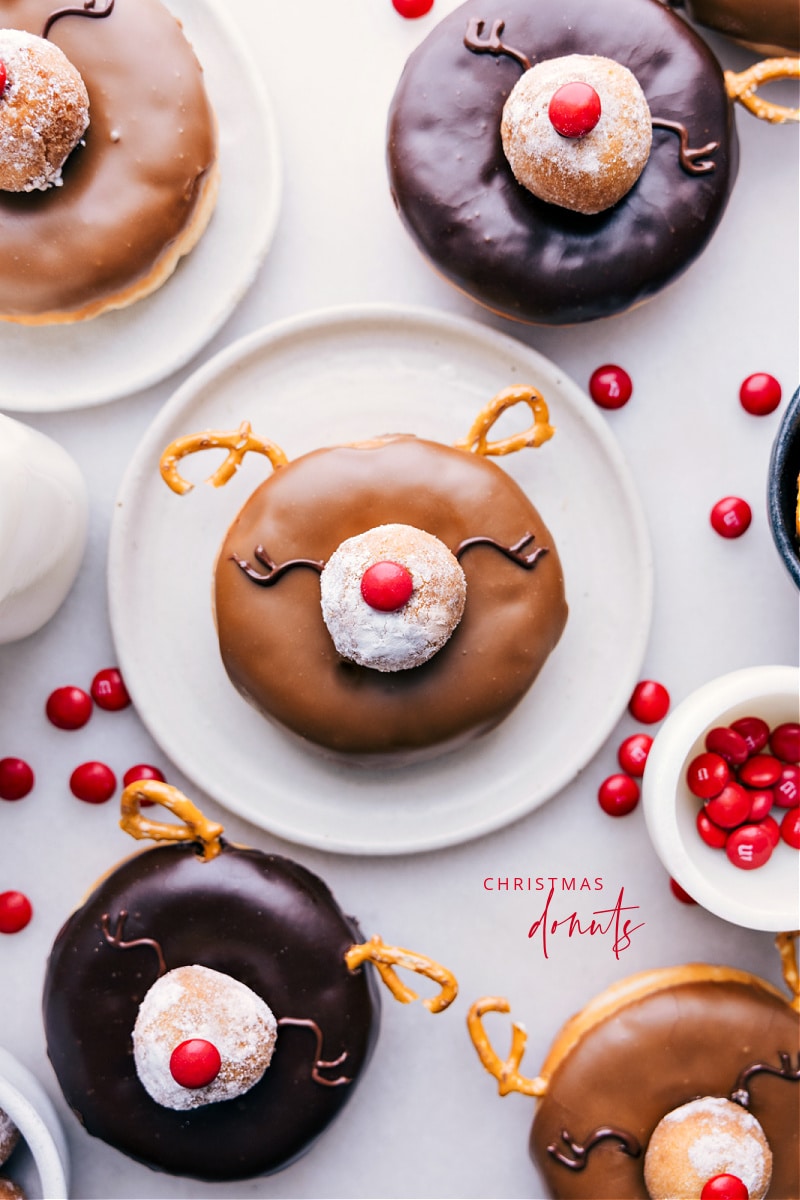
x: 784, y: 468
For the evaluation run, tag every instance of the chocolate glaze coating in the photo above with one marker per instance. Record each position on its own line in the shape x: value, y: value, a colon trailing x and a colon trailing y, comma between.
x: 264, y: 920
x: 275, y: 645
x: 651, y: 1056
x: 772, y: 24
x: 488, y: 235
x: 133, y: 187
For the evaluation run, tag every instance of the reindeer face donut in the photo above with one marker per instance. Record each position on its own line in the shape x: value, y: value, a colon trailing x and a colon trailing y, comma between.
x: 564, y: 160
x: 208, y: 1009
x: 389, y: 600
x: 681, y: 1082
x: 108, y: 170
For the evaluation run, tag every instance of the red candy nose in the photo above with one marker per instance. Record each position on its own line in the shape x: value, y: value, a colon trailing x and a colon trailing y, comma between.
x: 2, y: 77
x: 386, y: 586
x: 574, y: 109
x: 724, y: 1187
x: 195, y: 1063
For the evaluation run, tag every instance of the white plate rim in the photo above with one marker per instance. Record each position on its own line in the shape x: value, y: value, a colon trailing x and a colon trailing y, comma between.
x: 360, y: 316
x: 141, y: 369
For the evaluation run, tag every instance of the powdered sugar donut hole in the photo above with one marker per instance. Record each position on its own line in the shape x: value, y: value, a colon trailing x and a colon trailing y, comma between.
x: 408, y: 636
x: 586, y: 174
x: 707, y: 1137
x: 9, y: 1136
x: 196, y: 1002
x: 44, y: 112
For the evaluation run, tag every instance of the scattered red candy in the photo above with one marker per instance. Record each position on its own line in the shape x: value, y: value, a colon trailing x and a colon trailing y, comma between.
x: 787, y: 790
x: 711, y: 834
x: 727, y: 742
x: 679, y: 893
x: 760, y: 771
x: 574, y: 109
x: 618, y: 795
x: 195, y: 1063
x: 724, y: 1187
x: 760, y: 394
x: 748, y: 847
x: 386, y: 586
x: 68, y: 707
x: 707, y: 775
x: 784, y: 742
x: 790, y: 828
x: 142, y: 771
x: 730, y: 808
x: 15, y: 911
x: 109, y: 691
x: 610, y: 386
x: 649, y: 702
x: 772, y: 830
x: 731, y: 516
x: 633, y: 752
x: 754, y: 731
x: 413, y: 8
x: 93, y: 782
x: 761, y: 803
x: 16, y: 778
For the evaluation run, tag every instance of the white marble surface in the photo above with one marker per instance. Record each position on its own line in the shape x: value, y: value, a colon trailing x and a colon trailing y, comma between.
x: 426, y: 1120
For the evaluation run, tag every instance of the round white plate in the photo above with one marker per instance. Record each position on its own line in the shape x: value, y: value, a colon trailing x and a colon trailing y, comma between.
x: 56, y: 367
x: 345, y: 375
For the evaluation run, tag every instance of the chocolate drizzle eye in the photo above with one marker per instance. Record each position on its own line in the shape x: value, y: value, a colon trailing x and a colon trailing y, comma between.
x: 320, y: 1063
x: 628, y: 1145
x: 690, y: 159
x: 492, y: 43
x: 513, y: 552
x: 88, y: 9
x: 116, y: 941
x: 741, y: 1092
x: 274, y: 570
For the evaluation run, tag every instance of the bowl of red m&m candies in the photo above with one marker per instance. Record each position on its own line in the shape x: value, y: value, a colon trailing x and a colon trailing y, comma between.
x: 721, y: 796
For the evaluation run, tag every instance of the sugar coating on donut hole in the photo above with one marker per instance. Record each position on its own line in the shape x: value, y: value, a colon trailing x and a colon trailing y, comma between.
x: 707, y: 1137
x: 9, y: 1190
x: 408, y: 636
x: 44, y: 112
x: 585, y: 174
x: 197, y: 1002
x: 9, y: 1136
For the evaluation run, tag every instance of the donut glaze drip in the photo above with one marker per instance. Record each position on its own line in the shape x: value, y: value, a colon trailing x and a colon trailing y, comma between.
x: 265, y: 921
x: 654, y: 1055
x: 132, y: 188
x: 279, y: 654
x: 510, y: 251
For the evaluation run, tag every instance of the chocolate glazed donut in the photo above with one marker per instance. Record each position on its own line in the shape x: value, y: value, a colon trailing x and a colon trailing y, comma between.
x: 517, y: 255
x: 260, y: 918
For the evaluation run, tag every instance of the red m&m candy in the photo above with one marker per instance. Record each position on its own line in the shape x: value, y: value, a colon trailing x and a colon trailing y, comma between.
x: 784, y: 742
x: 109, y: 691
x: 761, y: 802
x: 724, y: 1187
x: 413, y: 8
x: 730, y: 808
x: 574, y: 109
x: 633, y: 752
x: 610, y: 386
x: 649, y: 702
x: 679, y: 893
x: 16, y: 778
x: 195, y: 1063
x: 760, y: 394
x: 68, y: 707
x: 618, y: 795
x: 754, y: 731
x: 728, y: 743
x: 386, y: 586
x: 712, y: 834
x: 790, y: 828
x: 787, y: 790
x: 15, y: 912
x: 760, y: 771
x: 93, y: 782
x: 731, y: 517
x: 707, y: 775
x: 748, y: 847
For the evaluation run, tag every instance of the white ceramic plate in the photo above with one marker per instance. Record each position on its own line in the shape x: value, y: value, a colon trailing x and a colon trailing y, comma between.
x: 41, y: 1166
x: 71, y: 366
x: 344, y: 375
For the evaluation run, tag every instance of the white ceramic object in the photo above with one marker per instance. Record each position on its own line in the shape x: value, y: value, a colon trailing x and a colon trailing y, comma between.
x: 43, y: 525
x: 26, y: 1102
x: 767, y: 897
x: 55, y: 367
x: 339, y: 376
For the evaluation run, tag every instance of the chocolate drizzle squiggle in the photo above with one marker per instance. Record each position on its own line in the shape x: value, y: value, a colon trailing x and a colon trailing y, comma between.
x: 307, y: 1023
x: 274, y: 570
x: 492, y: 43
x: 116, y: 941
x: 690, y: 159
x: 513, y: 552
x: 628, y: 1144
x: 741, y: 1092
x: 87, y: 10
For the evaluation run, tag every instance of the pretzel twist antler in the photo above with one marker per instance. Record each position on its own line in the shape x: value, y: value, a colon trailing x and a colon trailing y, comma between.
x: 195, y: 827
x: 742, y: 86
x: 385, y: 958
x: 505, y: 1072
x: 237, y: 442
x: 540, y: 431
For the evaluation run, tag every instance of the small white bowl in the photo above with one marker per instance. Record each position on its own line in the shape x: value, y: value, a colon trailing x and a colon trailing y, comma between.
x: 765, y: 898
x: 25, y: 1101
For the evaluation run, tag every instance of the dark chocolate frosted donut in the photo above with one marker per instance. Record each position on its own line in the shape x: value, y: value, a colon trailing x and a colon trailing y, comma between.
x: 276, y: 647
x: 137, y: 193
x: 262, y: 919
x: 648, y: 1057
x: 524, y: 258
x: 772, y: 26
